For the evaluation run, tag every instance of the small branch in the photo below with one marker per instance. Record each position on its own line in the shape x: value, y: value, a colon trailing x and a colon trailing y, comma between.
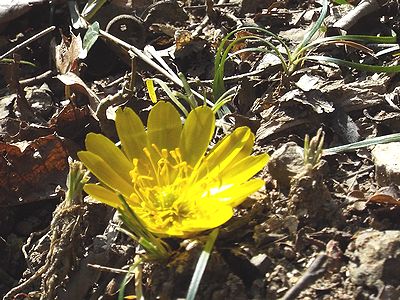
x: 314, y: 272
x: 363, y: 9
x: 28, y: 41
x: 194, y: 7
x: 139, y: 53
x: 205, y: 21
x: 37, y: 79
x: 108, y: 269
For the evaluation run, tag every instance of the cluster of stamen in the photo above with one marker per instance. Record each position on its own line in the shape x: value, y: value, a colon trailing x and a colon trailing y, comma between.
x: 160, y: 191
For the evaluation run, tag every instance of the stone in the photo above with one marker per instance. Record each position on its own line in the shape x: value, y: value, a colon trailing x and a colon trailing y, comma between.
x: 375, y: 259
x: 387, y: 163
x: 286, y: 162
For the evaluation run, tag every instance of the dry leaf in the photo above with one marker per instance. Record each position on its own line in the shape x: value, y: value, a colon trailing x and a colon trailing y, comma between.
x: 387, y: 195
x: 31, y: 170
x: 67, y: 54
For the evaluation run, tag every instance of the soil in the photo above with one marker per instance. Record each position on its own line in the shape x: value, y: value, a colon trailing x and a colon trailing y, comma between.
x: 326, y: 229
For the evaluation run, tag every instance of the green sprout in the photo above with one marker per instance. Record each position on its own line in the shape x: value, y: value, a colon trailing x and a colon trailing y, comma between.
x: 313, y: 149
x: 291, y: 60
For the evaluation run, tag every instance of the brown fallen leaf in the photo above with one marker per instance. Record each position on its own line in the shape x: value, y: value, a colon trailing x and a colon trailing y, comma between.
x: 72, y: 121
x: 66, y: 54
x: 31, y: 170
x: 77, y: 85
x: 387, y: 195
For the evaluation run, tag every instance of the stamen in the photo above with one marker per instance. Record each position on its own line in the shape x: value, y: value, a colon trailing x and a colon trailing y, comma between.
x: 164, y: 153
x: 154, y: 146
x: 161, y: 192
x: 148, y: 155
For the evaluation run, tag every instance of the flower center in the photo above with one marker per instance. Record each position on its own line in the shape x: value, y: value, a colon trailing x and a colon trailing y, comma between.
x: 160, y: 192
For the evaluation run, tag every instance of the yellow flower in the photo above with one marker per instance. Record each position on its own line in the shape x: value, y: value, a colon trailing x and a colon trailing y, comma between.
x: 164, y: 174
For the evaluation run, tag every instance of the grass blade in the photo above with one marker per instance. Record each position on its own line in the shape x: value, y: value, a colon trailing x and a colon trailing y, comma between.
x: 395, y: 137
x: 315, y: 28
x: 171, y: 95
x: 366, y: 39
x: 358, y: 66
x: 201, y: 265
x: 91, y: 8
x: 128, y: 277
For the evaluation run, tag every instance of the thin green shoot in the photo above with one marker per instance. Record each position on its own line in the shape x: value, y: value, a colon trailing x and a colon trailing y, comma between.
x: 171, y: 95
x: 390, y: 138
x: 91, y: 8
x: 128, y: 277
x: 77, y: 177
x: 290, y: 60
x: 190, y: 98
x: 201, y: 265
x: 224, y: 99
x: 12, y: 61
x: 156, y: 248
x: 340, y: 1
x: 310, y: 34
x: 313, y: 148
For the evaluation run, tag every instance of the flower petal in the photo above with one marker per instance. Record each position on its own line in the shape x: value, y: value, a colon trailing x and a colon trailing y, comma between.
x: 111, y: 154
x: 247, y: 148
x: 131, y: 133
x: 102, y: 194
x: 209, y: 214
x: 105, y: 173
x: 196, y: 134
x: 164, y: 126
x: 242, y: 170
x: 222, y: 155
x: 236, y: 194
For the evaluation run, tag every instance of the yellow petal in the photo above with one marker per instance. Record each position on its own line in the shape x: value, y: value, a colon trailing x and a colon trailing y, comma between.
x: 105, y: 173
x: 244, y: 169
x: 196, y: 134
x: 111, y: 154
x: 164, y: 126
x: 131, y: 133
x: 102, y: 194
x: 209, y: 214
x: 223, y: 154
x: 236, y: 194
x: 247, y: 148
x: 151, y: 90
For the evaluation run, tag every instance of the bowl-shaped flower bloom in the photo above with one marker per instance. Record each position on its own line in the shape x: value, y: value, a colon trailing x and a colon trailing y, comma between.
x: 164, y: 173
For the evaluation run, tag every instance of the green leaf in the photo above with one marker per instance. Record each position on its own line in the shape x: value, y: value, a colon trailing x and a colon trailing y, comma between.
x: 91, y: 8
x: 12, y: 61
x: 91, y: 36
x: 340, y: 2
x: 171, y: 95
x: 201, y: 265
x: 314, y: 28
x: 355, y: 38
x: 128, y: 277
x: 362, y: 144
x: 358, y: 66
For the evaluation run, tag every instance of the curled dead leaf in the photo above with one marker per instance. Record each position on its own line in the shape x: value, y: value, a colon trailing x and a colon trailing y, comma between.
x: 31, y: 170
x: 387, y: 195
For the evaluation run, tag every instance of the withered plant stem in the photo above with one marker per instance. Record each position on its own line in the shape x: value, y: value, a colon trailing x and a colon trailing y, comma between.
x: 28, y: 41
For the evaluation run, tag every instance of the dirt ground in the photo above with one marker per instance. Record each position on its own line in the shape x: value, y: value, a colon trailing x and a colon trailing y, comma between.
x: 328, y: 230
